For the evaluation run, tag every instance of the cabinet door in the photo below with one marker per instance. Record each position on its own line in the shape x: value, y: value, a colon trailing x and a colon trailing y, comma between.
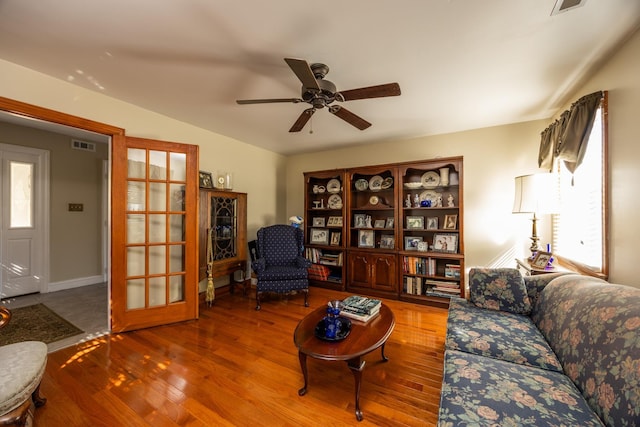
x: 385, y: 273
x: 359, y: 270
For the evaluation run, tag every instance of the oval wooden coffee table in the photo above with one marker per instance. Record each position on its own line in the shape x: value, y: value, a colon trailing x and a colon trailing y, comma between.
x: 363, y: 339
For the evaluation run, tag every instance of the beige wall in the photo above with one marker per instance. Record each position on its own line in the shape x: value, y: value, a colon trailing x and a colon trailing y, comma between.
x: 75, y: 177
x: 255, y: 171
x: 492, y: 158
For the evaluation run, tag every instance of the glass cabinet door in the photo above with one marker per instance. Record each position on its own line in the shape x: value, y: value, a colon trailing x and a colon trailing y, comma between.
x: 224, y: 225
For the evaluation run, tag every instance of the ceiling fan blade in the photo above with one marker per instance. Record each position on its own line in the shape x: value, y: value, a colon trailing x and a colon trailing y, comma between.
x: 379, y: 91
x: 301, y: 68
x: 349, y: 117
x: 267, y: 101
x: 302, y: 120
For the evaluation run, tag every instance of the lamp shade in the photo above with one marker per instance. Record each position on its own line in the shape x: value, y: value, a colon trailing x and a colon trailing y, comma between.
x: 535, y: 194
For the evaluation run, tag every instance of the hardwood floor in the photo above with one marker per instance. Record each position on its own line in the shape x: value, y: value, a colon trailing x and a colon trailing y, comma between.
x: 238, y: 367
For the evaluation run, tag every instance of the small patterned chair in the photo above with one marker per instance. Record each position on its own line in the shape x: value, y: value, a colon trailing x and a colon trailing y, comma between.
x: 22, y: 365
x: 280, y: 266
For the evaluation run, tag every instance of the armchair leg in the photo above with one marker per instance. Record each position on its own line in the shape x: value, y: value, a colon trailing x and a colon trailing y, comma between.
x: 306, y: 295
x: 258, y: 300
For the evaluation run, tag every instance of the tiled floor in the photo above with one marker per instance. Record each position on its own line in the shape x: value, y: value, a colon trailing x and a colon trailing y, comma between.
x: 85, y: 307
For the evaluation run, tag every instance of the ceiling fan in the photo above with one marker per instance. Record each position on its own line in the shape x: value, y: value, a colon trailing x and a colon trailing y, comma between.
x: 320, y: 93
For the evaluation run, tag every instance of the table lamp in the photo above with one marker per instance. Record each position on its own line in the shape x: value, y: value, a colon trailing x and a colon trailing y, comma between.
x: 535, y: 194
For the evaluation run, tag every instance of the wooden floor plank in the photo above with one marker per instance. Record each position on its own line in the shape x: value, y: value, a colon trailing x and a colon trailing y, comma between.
x: 239, y: 367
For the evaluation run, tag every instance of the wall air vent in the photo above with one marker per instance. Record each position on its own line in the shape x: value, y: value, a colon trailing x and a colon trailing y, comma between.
x: 82, y: 145
x: 566, y: 5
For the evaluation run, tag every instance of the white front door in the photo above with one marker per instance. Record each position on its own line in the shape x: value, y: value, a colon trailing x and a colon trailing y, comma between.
x: 24, y: 213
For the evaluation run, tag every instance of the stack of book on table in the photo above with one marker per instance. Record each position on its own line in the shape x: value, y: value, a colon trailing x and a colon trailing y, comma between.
x: 360, y: 308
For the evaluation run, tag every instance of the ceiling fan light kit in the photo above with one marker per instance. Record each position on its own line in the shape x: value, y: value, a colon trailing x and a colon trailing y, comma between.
x: 320, y: 93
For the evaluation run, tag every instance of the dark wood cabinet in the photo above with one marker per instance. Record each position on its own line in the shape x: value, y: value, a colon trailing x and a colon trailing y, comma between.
x: 223, y: 232
x: 399, y: 229
x: 372, y: 273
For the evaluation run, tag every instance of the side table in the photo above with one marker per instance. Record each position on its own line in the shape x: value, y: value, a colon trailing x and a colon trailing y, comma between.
x: 528, y: 270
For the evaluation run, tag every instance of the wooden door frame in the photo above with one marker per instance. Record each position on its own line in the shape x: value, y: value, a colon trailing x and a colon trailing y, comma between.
x: 40, y: 113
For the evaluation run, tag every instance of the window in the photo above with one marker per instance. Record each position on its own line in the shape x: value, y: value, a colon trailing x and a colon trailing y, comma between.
x: 21, y: 194
x: 579, y: 229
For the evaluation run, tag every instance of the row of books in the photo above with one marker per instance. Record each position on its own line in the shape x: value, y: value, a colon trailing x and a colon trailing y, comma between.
x: 428, y: 267
x: 418, y: 286
x: 360, y: 308
x: 317, y: 256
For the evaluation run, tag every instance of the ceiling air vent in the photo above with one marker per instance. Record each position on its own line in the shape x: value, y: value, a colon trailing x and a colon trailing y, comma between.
x: 82, y: 145
x: 566, y: 5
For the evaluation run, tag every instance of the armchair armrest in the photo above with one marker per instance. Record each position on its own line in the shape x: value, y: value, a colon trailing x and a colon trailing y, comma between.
x: 259, y: 265
x: 302, y: 262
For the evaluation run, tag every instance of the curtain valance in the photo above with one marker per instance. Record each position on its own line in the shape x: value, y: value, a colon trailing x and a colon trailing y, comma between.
x: 566, y: 138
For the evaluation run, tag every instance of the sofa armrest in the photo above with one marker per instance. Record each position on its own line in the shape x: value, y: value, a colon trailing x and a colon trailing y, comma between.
x: 258, y: 266
x: 535, y: 284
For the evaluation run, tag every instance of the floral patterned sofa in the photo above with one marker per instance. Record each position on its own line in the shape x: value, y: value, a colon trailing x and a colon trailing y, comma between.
x: 548, y: 350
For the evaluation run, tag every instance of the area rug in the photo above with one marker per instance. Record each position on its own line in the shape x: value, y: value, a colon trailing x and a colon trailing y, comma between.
x: 36, y: 323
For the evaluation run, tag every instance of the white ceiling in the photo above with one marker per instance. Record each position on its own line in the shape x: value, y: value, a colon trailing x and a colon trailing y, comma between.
x: 461, y: 64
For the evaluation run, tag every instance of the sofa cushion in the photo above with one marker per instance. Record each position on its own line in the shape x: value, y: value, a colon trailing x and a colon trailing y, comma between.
x: 499, y: 289
x: 482, y: 391
x: 498, y: 334
x: 594, y: 329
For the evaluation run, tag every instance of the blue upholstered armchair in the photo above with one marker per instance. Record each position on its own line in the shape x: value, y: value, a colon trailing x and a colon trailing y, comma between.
x: 280, y: 266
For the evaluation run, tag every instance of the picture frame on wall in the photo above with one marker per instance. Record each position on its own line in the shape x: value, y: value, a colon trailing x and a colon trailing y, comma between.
x: 319, y: 236
x: 450, y: 222
x: 206, y: 179
x: 365, y: 239
x: 445, y: 242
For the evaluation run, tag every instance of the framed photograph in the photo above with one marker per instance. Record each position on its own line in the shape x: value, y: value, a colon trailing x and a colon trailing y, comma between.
x: 389, y: 223
x: 318, y: 222
x: 206, y: 180
x: 541, y: 260
x: 379, y: 223
x: 365, y: 239
x: 411, y: 243
x: 415, y: 222
x: 359, y: 220
x: 432, y: 223
x: 450, y: 222
x: 335, y: 238
x: 320, y: 236
x: 445, y: 243
x: 387, y: 241
x: 334, y: 221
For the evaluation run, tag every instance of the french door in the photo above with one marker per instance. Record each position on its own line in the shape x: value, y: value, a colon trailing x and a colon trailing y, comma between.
x: 154, y: 261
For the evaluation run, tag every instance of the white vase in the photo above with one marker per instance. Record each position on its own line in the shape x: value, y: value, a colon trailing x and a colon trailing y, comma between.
x: 444, y: 176
x: 453, y: 178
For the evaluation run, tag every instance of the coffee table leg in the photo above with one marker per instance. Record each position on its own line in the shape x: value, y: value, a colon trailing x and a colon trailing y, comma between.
x: 384, y: 358
x: 356, y: 367
x: 303, y: 366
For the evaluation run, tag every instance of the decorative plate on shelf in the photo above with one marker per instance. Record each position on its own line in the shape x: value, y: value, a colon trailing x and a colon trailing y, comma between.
x: 333, y: 186
x: 375, y: 183
x: 429, y: 195
x: 387, y: 183
x: 335, y: 202
x: 430, y: 179
x: 361, y: 184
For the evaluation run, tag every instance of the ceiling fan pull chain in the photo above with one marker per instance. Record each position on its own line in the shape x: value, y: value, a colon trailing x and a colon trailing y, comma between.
x: 311, y: 125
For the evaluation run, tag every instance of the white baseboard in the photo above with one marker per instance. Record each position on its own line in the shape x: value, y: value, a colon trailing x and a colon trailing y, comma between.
x: 75, y: 283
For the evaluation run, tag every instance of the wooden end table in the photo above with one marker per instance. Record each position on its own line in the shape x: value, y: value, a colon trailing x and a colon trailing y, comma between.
x: 363, y: 339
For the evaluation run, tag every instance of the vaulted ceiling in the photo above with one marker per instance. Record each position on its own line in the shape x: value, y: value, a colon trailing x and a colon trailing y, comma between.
x: 460, y: 64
